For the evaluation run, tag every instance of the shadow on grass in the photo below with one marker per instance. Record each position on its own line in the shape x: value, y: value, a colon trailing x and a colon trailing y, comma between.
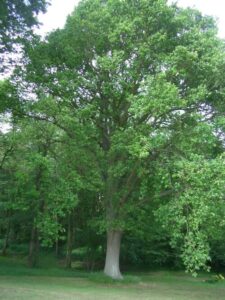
x: 50, y: 267
x: 15, y: 266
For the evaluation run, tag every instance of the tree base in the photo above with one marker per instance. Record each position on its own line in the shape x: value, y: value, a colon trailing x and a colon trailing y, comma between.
x: 112, y: 268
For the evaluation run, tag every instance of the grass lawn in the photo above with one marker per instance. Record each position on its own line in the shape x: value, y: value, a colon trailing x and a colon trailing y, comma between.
x: 19, y: 282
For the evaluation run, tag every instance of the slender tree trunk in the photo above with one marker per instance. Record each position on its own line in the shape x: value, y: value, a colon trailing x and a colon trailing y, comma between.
x: 112, y: 267
x: 57, y: 243
x: 57, y: 247
x: 70, y: 233
x: 34, y: 248
x: 6, y: 241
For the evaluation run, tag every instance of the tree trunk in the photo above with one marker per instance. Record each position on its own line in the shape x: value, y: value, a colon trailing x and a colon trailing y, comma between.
x: 57, y: 247
x: 34, y: 248
x: 6, y: 241
x: 112, y: 267
x: 70, y: 233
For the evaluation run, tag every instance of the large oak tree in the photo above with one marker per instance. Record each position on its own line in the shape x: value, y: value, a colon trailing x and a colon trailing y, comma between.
x: 138, y: 77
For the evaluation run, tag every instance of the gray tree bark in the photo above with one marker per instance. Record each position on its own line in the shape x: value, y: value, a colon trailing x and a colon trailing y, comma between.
x: 112, y: 267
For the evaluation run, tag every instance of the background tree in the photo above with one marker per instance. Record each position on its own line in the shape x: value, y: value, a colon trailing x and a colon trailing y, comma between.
x: 17, y: 19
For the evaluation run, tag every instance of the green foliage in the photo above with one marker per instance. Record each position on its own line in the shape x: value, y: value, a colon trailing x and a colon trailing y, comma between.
x: 126, y: 119
x: 191, y: 214
x: 17, y: 19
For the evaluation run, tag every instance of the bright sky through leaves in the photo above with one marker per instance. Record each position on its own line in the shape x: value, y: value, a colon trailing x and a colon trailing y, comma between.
x: 60, y: 9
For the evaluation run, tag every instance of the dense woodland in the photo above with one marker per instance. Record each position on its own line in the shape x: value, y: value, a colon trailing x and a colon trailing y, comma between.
x: 116, y: 140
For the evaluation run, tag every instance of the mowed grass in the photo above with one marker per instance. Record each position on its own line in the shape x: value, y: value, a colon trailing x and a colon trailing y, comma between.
x: 17, y: 282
